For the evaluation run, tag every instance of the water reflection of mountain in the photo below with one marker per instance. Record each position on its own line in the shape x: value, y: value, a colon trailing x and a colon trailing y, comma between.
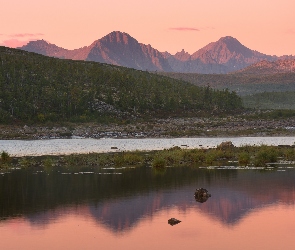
x: 124, y: 214
x: 121, y: 201
x: 228, y: 204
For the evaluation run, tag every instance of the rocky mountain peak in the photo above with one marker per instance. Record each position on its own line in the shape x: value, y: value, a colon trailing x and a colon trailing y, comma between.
x: 39, y: 42
x: 42, y: 47
x: 233, y: 46
x: 229, y: 52
x: 182, y: 55
x: 117, y: 37
x: 228, y: 39
x: 223, y: 49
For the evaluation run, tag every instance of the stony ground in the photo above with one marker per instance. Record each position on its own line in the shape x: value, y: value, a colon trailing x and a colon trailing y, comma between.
x: 172, y: 127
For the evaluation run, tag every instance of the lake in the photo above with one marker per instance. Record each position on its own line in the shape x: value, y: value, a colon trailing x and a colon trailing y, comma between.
x: 69, y: 146
x: 129, y: 208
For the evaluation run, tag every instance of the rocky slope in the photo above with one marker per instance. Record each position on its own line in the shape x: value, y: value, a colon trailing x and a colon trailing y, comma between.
x: 265, y: 67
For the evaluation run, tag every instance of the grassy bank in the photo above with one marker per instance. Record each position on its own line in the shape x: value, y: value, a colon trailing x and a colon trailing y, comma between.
x: 225, y: 154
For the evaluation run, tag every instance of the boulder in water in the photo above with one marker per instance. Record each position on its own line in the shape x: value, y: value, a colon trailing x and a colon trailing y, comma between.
x: 202, y: 195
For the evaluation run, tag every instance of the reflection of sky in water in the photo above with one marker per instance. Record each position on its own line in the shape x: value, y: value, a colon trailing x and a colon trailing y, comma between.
x: 269, y: 227
x: 68, y: 146
x: 247, y: 210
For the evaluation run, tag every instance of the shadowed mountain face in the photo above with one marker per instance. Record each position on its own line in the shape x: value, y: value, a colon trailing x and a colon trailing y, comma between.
x: 121, y: 49
x: 118, y: 48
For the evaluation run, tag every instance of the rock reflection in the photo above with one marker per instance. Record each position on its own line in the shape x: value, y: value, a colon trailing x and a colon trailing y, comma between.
x: 173, y: 221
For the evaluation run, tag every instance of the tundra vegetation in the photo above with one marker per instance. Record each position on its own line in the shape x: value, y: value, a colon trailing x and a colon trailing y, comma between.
x: 245, y: 156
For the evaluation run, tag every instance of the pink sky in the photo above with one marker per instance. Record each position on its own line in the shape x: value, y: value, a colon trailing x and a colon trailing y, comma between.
x: 267, y: 26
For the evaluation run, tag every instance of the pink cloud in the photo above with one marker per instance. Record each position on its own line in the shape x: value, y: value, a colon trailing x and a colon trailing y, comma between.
x: 13, y: 43
x: 185, y: 29
x: 27, y: 35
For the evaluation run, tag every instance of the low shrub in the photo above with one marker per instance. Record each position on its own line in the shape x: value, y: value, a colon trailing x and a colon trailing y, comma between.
x: 159, y: 162
x: 266, y: 155
x: 244, y: 158
x: 213, y: 155
x: 5, y: 157
x: 289, y: 154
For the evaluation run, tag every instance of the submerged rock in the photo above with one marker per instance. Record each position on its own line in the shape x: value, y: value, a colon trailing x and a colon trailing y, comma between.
x: 202, y: 195
x: 173, y: 221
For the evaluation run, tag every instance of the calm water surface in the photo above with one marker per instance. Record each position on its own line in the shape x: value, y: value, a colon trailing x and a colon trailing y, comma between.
x: 128, y: 208
x: 69, y: 146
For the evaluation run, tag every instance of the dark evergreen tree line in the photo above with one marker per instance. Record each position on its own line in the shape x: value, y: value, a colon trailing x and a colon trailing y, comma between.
x: 39, y: 88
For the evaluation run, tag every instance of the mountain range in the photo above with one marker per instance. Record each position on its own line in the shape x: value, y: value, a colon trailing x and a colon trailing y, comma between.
x: 119, y: 48
x: 266, y: 67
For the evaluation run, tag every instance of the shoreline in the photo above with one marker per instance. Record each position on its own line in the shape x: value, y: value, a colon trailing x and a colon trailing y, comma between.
x: 19, y: 148
x: 224, y: 156
x: 157, y: 128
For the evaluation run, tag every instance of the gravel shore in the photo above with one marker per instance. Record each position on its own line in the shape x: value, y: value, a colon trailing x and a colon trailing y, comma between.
x: 157, y: 128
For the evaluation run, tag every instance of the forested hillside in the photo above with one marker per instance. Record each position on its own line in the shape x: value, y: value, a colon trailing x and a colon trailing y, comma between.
x: 271, y: 100
x: 242, y: 84
x: 38, y: 88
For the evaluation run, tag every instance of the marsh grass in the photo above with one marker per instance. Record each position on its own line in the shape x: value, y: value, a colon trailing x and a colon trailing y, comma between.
x: 48, y: 162
x: 128, y: 158
x: 287, y: 153
x: 266, y: 154
x: 27, y: 162
x: 244, y: 156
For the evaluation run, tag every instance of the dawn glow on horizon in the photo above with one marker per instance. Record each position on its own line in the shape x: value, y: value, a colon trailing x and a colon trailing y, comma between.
x: 265, y: 26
